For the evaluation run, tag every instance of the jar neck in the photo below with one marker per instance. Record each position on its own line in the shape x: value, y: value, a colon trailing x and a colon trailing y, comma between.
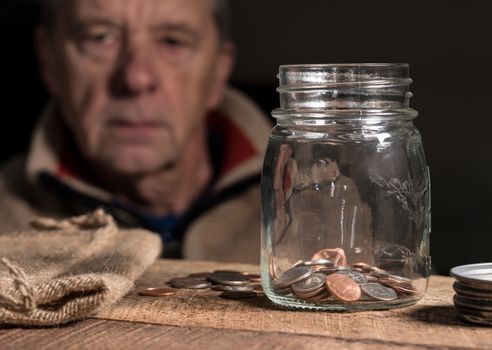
x: 344, y: 91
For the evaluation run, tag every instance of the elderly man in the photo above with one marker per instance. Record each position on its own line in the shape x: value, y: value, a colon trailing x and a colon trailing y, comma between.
x: 142, y: 124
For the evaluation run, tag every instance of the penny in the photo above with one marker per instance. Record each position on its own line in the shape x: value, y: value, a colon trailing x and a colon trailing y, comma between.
x: 292, y: 275
x: 237, y: 295
x: 343, y: 287
x: 189, y: 283
x: 258, y: 288
x: 357, y: 277
x: 310, y: 284
x: 158, y: 292
x: 228, y: 278
x: 379, y: 272
x: 336, y: 255
x: 253, y: 277
x: 378, y: 291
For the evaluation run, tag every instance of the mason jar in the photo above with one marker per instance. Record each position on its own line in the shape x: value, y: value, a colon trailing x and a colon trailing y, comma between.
x: 345, y: 191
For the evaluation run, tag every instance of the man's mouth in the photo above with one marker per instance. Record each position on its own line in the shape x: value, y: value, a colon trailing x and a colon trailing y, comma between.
x: 134, y: 130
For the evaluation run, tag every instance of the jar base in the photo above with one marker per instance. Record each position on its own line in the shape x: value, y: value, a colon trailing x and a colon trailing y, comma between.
x: 336, y: 305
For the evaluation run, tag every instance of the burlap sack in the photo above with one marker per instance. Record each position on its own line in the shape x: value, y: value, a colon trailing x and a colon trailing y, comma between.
x: 62, y: 271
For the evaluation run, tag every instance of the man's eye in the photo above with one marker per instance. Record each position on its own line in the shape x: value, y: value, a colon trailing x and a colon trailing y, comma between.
x: 174, y: 42
x: 101, y: 38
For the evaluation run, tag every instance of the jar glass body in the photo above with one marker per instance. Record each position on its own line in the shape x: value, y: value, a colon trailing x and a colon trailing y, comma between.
x: 345, y: 191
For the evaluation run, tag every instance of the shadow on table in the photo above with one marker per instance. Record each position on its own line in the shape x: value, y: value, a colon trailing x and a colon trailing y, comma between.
x: 444, y: 315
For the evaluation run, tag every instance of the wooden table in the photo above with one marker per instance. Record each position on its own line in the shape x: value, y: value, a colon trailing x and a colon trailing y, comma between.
x: 199, y: 319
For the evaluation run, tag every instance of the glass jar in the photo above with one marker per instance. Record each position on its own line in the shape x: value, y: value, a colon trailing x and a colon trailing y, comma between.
x: 345, y: 191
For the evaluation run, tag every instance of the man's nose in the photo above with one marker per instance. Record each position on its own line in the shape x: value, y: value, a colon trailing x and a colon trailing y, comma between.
x: 135, y: 75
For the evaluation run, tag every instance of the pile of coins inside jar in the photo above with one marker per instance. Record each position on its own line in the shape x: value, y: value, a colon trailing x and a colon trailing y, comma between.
x: 327, y: 277
x: 232, y: 284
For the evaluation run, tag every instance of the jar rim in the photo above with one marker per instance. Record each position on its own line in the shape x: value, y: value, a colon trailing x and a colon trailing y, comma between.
x: 343, y: 65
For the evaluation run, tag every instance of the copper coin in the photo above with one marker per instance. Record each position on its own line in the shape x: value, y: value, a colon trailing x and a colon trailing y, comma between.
x: 237, y: 295
x: 158, y: 292
x: 343, y: 287
x: 402, y: 287
x: 335, y: 255
x: 258, y: 288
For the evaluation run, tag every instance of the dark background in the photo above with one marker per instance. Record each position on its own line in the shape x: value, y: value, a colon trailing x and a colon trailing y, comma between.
x: 447, y: 47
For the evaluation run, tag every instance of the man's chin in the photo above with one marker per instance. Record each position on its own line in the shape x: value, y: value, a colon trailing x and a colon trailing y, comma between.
x: 131, y: 165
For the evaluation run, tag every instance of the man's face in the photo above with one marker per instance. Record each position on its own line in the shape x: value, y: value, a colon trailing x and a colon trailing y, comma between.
x: 135, y: 78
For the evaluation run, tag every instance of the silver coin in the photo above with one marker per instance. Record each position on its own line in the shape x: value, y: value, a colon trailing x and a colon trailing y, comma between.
x: 355, y: 276
x: 465, y: 290
x: 473, y: 303
x: 228, y: 278
x: 473, y: 273
x: 189, y: 283
x: 225, y: 288
x: 310, y: 284
x: 323, y: 262
x: 378, y: 291
x: 330, y: 270
x: 292, y: 275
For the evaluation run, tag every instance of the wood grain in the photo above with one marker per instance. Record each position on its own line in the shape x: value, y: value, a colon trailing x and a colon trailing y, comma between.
x: 200, y: 319
x: 430, y: 323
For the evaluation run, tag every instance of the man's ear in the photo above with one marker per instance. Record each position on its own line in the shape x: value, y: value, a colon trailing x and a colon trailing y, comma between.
x: 223, y: 70
x: 44, y: 46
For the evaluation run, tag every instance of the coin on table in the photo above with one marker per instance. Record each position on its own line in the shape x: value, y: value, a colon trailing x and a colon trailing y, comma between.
x: 189, y: 283
x: 343, y: 287
x: 356, y: 276
x: 292, y: 275
x: 258, y: 288
x: 199, y: 275
x: 225, y: 288
x: 310, y: 284
x: 253, y: 277
x: 465, y: 290
x: 378, y: 291
x: 237, y: 295
x: 228, y: 278
x: 157, y: 292
x: 233, y: 272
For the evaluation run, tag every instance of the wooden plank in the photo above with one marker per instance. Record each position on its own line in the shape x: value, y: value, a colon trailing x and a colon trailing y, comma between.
x: 431, y: 323
x: 102, y: 334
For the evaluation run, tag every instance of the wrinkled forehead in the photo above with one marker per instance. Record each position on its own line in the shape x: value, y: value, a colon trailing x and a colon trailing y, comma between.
x: 137, y: 12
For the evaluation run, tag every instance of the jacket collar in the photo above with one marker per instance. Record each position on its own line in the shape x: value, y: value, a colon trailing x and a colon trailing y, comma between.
x: 242, y: 127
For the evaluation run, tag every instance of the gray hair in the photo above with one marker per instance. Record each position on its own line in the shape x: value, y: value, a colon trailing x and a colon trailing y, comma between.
x: 221, y: 12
